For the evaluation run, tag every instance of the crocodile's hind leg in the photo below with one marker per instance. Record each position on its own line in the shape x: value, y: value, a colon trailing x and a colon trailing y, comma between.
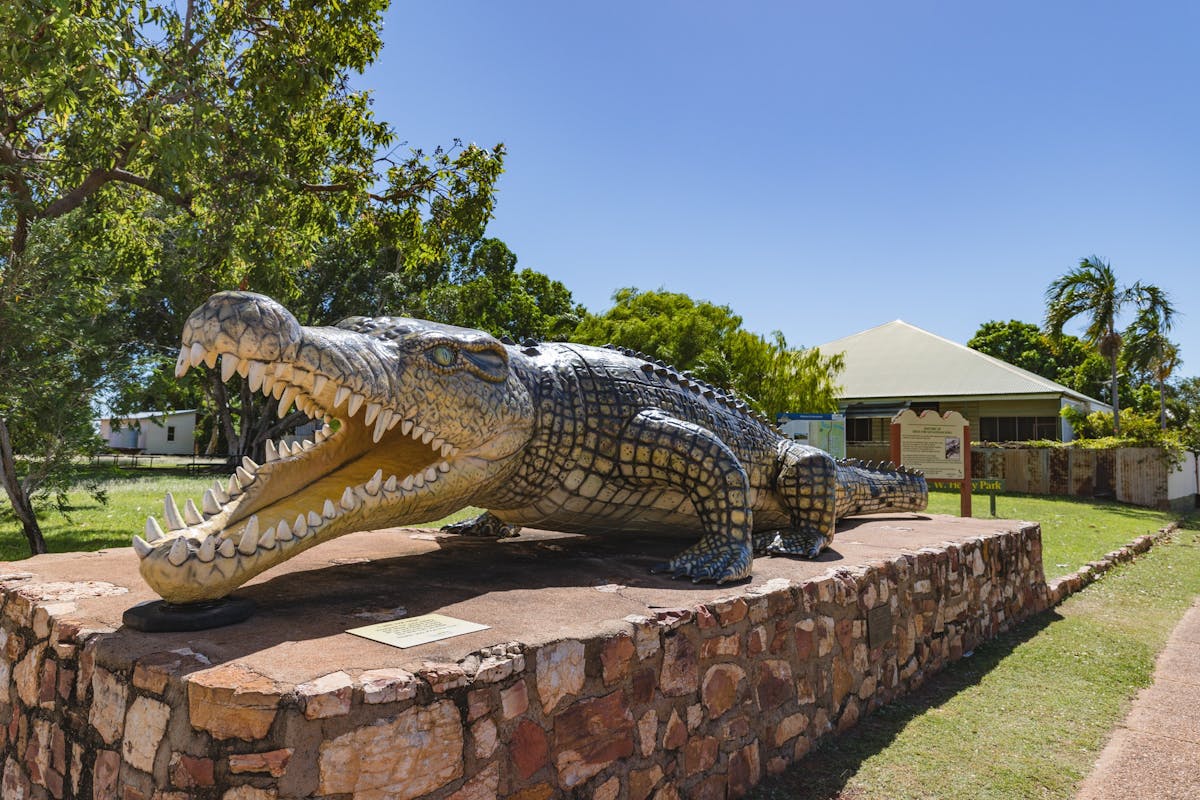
x: 659, y: 449
x: 486, y: 524
x: 807, y: 487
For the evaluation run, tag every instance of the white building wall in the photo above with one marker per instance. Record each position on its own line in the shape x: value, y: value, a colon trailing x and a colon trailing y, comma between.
x: 1183, y: 482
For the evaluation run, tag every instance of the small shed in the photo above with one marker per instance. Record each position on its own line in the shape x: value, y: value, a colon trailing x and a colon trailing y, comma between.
x: 154, y: 432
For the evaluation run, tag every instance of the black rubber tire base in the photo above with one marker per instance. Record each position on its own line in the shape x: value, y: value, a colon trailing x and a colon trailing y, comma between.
x: 159, y: 616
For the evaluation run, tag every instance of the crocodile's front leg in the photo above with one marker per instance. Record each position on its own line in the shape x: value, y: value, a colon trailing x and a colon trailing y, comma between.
x: 807, y: 487
x: 659, y: 449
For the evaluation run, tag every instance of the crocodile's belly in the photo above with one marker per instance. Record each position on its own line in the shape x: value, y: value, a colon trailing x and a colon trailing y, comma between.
x: 632, y: 511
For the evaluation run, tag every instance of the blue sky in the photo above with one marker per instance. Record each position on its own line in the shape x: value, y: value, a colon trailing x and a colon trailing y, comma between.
x: 823, y: 167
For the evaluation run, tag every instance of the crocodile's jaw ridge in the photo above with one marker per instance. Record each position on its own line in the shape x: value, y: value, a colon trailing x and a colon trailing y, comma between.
x: 374, y: 464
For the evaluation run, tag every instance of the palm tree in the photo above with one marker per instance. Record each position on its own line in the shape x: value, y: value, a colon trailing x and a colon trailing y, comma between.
x: 1146, y: 344
x: 1091, y: 289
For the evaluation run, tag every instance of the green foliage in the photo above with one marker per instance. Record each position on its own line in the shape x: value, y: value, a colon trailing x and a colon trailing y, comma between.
x: 709, y: 341
x: 1138, y: 429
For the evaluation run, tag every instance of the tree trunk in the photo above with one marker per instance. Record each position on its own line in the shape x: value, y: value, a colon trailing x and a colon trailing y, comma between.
x: 1162, y: 404
x: 1116, y: 399
x: 17, y: 495
x: 224, y: 416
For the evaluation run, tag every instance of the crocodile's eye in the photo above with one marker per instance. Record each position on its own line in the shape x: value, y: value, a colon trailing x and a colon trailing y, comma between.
x: 442, y: 355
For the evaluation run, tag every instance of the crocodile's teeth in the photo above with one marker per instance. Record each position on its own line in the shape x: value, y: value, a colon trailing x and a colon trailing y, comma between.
x: 431, y: 474
x: 406, y: 429
x: 417, y: 431
x: 319, y: 382
x: 380, y: 428
x: 141, y: 547
x: 375, y: 482
x: 208, y: 549
x: 272, y: 452
x: 243, y: 367
x: 209, y: 503
x: 373, y: 410
x: 249, y: 542
x: 153, y: 531
x: 227, y: 548
x: 447, y: 450
x: 268, y: 539
x: 171, y: 512
x: 341, y: 395
x: 322, y: 434
x: 285, y: 401
x: 182, y: 363
x: 356, y: 401
x: 284, y: 531
x: 314, y: 519
x: 328, y: 510
x: 191, y: 514
x: 393, y: 422
x: 235, y: 486
x: 443, y: 466
x: 348, y: 501
x: 437, y: 443
x: 249, y: 465
x: 427, y: 437
x: 219, y: 492
x: 308, y: 445
x: 229, y: 364
x: 210, y: 358
x: 244, y: 477
x: 390, y: 484
x: 299, y: 527
x: 418, y: 480
x: 268, y: 383
x: 179, y: 552
x: 197, y: 354
x: 254, y: 378
x: 407, y: 484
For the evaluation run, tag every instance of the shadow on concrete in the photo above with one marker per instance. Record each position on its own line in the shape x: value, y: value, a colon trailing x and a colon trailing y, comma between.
x: 825, y: 773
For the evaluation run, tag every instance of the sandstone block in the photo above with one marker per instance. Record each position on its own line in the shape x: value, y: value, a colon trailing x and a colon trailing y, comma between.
x: 387, y: 685
x: 680, y: 666
x: 529, y: 749
x: 145, y: 725
x: 560, y: 672
x: 415, y: 752
x: 723, y: 687
x: 482, y: 787
x: 327, y: 696
x: 107, y: 714
x: 191, y: 772
x: 590, y: 735
x: 514, y: 701
x: 232, y: 702
x: 272, y: 762
x: 615, y: 657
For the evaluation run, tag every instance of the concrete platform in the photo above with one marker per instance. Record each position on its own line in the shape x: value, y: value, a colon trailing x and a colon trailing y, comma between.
x: 536, y: 588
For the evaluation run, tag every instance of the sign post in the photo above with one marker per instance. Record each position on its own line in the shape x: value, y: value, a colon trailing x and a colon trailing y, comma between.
x: 939, y: 445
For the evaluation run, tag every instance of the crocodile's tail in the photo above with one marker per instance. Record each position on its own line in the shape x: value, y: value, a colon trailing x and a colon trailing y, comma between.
x: 868, y: 487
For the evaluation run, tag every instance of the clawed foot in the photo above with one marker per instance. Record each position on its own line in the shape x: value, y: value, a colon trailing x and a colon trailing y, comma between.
x: 704, y: 561
x: 790, y: 543
x: 486, y: 525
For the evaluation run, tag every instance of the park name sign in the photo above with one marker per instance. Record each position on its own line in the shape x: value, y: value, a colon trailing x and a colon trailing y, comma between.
x: 937, y: 444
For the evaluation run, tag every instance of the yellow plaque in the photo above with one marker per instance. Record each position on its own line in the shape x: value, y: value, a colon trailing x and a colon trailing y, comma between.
x: 932, y: 443
x: 417, y: 630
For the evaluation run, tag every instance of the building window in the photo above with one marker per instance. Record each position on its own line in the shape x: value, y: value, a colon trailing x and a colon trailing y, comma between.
x: 1018, y: 429
x: 170, y: 433
x: 858, y: 429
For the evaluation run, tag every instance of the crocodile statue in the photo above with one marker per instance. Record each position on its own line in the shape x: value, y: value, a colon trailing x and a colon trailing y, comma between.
x: 423, y: 419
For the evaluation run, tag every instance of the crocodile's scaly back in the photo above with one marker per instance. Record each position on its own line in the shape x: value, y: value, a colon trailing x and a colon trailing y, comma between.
x: 423, y: 419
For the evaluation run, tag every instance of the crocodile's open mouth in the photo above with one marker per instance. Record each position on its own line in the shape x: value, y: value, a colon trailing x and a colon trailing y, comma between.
x: 367, y: 466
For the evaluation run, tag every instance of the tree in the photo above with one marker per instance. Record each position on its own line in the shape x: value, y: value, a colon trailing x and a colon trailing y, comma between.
x: 229, y: 130
x: 1091, y: 290
x: 1066, y: 359
x: 708, y: 340
x: 1147, y: 347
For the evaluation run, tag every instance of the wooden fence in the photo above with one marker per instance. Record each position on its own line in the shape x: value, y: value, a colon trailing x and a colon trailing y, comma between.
x: 1136, y: 475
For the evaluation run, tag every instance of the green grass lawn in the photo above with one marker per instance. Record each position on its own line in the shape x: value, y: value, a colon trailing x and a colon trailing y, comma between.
x: 1027, y: 715
x: 133, y: 495
x: 1074, y: 531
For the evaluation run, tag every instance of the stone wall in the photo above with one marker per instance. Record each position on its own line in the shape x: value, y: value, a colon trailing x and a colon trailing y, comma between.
x: 692, y: 702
